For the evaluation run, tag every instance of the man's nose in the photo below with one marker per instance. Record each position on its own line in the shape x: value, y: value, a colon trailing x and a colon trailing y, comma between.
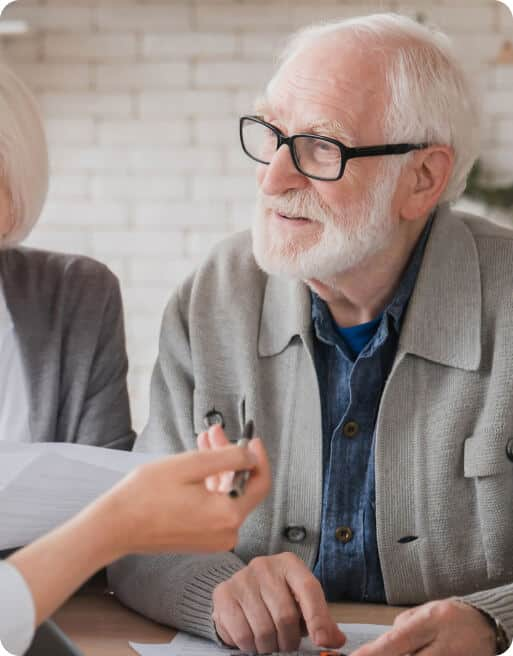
x: 281, y: 175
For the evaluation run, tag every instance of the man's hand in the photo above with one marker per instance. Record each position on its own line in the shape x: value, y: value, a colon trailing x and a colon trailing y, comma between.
x: 439, y: 628
x: 262, y: 607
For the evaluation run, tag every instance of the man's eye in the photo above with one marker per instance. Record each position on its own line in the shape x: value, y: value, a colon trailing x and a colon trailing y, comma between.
x: 326, y: 149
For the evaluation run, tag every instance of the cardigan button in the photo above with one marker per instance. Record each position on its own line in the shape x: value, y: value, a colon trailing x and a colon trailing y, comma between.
x: 212, y: 418
x: 295, y: 533
x: 509, y: 450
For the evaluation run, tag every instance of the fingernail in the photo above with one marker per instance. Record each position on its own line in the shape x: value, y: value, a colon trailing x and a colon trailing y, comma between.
x: 321, y: 638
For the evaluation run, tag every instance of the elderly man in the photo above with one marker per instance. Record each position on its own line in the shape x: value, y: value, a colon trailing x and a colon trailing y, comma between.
x: 366, y: 330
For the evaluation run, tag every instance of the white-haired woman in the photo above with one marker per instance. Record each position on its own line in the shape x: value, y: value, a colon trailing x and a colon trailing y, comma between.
x: 62, y: 344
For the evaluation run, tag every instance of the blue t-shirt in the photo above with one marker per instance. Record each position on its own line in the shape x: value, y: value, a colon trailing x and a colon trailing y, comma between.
x: 357, y: 337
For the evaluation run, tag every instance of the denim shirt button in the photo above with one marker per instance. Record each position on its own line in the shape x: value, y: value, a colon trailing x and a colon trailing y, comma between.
x: 351, y: 429
x: 344, y: 534
x: 295, y: 533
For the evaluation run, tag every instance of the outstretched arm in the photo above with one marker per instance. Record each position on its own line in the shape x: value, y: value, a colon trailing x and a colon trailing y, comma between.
x: 161, y: 506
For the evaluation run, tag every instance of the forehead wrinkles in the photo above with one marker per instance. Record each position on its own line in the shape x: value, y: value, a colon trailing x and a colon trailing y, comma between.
x: 331, y: 96
x: 301, y: 87
x: 336, y: 81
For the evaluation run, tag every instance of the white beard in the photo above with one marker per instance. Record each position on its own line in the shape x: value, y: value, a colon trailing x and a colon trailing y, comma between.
x: 349, y: 235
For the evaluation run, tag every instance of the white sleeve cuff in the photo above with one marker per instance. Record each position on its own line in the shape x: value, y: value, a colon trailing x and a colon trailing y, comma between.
x: 17, y: 612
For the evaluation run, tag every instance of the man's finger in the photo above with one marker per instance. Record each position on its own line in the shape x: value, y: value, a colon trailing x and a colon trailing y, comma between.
x: 258, y: 618
x: 308, y: 593
x: 235, y: 630
x: 408, y: 638
x: 405, y: 616
x: 223, y: 634
x: 285, y: 613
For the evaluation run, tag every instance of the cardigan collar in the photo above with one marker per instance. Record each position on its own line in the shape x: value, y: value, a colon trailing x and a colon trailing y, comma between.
x: 443, y: 319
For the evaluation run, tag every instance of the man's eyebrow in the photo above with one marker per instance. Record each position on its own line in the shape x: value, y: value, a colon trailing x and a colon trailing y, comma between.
x: 323, y: 127
x: 330, y: 128
x: 327, y: 127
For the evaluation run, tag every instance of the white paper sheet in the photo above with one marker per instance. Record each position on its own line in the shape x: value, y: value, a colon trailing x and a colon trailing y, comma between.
x: 42, y: 485
x: 186, y: 645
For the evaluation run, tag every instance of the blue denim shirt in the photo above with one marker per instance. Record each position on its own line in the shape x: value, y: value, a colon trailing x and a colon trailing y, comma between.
x: 348, y: 567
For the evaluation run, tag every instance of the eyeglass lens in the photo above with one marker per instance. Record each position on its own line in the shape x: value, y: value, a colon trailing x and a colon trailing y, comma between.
x: 315, y: 157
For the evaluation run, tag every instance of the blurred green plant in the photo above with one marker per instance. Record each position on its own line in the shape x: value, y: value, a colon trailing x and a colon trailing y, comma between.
x: 500, y: 197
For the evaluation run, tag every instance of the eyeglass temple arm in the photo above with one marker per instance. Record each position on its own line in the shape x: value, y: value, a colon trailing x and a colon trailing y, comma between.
x: 373, y: 151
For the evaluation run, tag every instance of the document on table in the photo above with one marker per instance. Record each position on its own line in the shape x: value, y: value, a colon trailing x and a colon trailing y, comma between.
x: 42, y: 485
x: 187, y: 645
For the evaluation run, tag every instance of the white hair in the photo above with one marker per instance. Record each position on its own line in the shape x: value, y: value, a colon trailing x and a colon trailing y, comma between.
x: 430, y: 97
x: 23, y: 156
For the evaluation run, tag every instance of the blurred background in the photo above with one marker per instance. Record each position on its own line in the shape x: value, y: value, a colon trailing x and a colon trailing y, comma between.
x: 141, y: 101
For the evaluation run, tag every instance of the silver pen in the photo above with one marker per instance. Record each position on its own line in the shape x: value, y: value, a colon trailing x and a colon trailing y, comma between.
x: 241, y: 478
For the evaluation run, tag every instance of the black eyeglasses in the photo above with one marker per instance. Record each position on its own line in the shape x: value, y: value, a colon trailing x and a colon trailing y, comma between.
x: 320, y: 158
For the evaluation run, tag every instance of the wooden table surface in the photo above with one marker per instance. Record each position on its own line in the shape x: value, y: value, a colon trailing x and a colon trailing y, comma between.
x: 100, y: 626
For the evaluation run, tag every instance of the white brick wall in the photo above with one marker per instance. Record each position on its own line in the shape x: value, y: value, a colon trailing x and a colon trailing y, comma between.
x: 141, y: 99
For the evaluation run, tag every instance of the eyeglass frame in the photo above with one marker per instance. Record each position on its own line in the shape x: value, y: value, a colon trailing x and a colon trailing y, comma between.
x: 346, y: 152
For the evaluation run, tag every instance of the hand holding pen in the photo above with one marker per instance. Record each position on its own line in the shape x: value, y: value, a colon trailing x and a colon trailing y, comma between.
x: 233, y: 483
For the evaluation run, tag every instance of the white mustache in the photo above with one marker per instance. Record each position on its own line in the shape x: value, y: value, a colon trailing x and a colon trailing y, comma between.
x: 296, y: 204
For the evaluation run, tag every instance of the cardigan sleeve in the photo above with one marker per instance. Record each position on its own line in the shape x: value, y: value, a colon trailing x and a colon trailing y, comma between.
x: 173, y: 589
x: 497, y: 603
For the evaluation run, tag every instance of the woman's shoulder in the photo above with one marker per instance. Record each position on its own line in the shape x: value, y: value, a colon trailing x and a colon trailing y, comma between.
x: 80, y: 285
x: 49, y: 269
x: 51, y: 263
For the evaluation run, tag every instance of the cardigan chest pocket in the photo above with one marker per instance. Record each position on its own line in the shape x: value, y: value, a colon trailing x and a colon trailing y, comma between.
x: 486, y: 461
x: 211, y: 406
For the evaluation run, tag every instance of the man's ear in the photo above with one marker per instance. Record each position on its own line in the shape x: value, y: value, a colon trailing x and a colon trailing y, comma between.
x: 427, y: 178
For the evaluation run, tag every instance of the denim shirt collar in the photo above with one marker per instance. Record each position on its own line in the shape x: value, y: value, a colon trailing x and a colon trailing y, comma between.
x: 324, y: 325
